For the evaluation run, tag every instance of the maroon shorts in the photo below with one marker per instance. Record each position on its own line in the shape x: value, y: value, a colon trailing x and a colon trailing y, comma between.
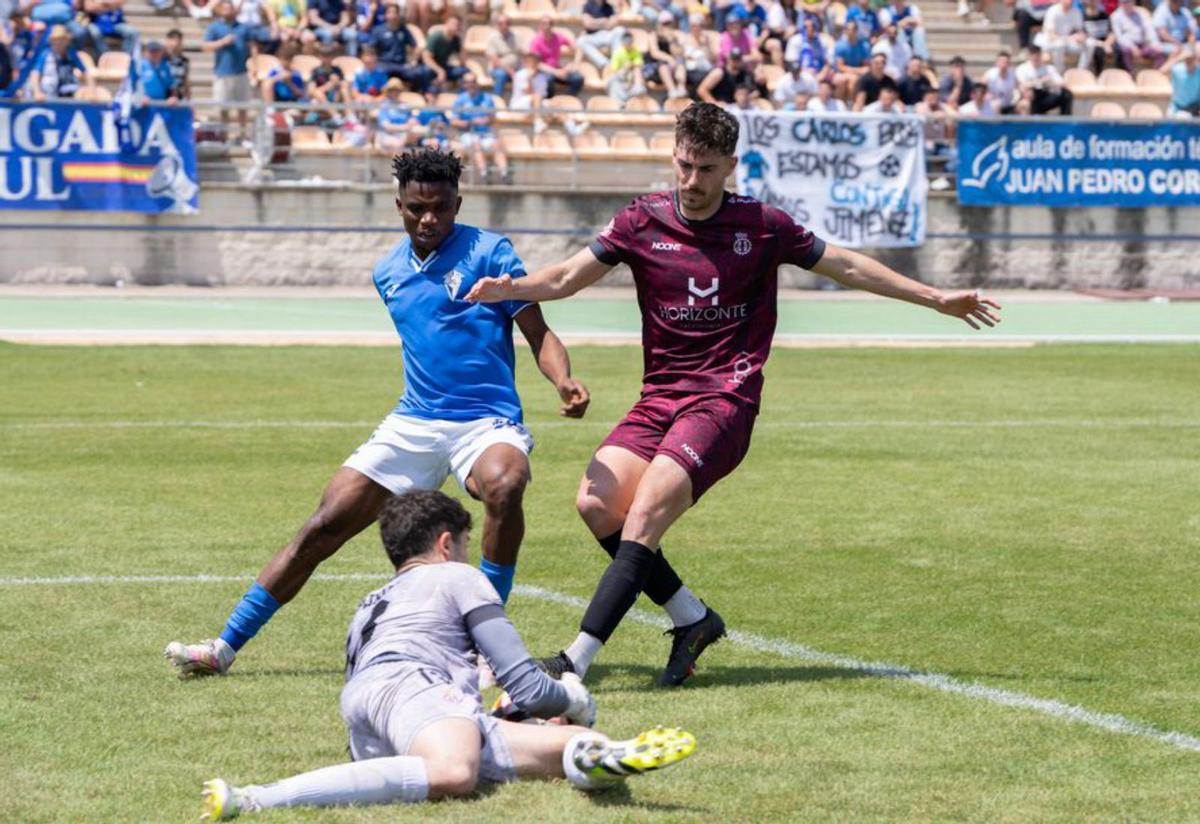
x: 708, y: 435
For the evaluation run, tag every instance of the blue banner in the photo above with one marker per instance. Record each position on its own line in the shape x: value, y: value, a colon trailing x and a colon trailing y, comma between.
x: 1051, y: 162
x: 71, y: 156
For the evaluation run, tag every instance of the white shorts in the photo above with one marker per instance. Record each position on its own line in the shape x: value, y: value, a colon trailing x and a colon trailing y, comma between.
x: 486, y: 140
x: 415, y: 453
x: 234, y: 88
x: 386, y: 707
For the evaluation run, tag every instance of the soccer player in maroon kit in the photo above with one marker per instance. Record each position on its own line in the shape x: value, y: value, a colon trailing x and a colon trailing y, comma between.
x: 705, y: 263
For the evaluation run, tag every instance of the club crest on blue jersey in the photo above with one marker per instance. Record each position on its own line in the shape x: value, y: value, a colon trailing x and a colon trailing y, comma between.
x: 452, y: 280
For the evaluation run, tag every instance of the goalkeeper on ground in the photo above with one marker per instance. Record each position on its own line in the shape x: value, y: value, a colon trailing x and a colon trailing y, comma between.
x: 411, y: 702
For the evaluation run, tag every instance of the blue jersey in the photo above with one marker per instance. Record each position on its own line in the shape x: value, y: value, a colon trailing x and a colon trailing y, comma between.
x: 458, y: 356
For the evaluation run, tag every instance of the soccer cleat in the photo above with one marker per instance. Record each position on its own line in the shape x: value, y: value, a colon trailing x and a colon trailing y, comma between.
x: 209, y: 657
x: 221, y: 802
x: 606, y: 763
x: 687, y: 644
x: 555, y: 665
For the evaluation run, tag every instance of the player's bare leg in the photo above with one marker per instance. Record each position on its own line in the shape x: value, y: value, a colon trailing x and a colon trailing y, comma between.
x: 350, y: 503
x: 498, y: 479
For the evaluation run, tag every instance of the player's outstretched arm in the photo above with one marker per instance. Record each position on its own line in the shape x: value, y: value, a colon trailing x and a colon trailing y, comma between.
x: 559, y: 280
x: 858, y: 271
x: 553, y: 361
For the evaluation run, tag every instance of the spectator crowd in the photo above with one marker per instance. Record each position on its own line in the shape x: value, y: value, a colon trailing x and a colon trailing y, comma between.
x: 404, y: 57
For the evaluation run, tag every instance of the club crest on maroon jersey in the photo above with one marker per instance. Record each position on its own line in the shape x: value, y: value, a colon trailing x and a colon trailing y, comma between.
x: 741, y: 243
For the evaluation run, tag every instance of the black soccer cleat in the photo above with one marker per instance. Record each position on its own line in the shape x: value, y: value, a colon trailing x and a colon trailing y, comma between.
x: 556, y: 665
x: 687, y: 644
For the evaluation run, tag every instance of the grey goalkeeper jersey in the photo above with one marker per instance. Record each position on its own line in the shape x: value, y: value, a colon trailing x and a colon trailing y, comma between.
x: 440, y: 616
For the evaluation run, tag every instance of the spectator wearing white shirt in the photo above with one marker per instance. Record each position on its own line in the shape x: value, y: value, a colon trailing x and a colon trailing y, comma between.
x: 797, y: 81
x: 980, y: 104
x: 906, y: 17
x: 1041, y: 86
x: 1001, y: 84
x: 1174, y: 25
x: 1136, y: 38
x: 825, y: 102
x: 888, y: 103
x: 1063, y: 36
x: 895, y: 49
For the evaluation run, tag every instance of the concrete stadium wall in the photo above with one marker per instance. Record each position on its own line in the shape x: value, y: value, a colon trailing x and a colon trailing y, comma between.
x: 333, y: 234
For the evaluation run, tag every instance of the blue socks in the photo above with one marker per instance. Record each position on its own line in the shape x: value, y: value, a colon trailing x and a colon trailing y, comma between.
x: 500, y: 575
x: 255, y: 609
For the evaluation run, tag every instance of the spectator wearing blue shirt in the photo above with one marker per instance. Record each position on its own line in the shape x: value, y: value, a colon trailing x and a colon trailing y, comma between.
x: 331, y: 20
x: 17, y: 35
x: 108, y: 20
x: 1175, y: 26
x: 283, y: 84
x: 1185, y: 83
x: 394, y: 43
x: 866, y: 18
x: 6, y: 66
x: 850, y: 58
x: 368, y: 82
x: 396, y: 121
x: 154, y: 72
x: 433, y: 125
x: 473, y: 115
x: 58, y: 72
x: 752, y: 15
x: 230, y: 41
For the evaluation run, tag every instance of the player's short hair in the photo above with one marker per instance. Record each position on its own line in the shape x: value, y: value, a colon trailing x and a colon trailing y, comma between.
x: 706, y: 127
x: 426, y: 166
x: 411, y: 522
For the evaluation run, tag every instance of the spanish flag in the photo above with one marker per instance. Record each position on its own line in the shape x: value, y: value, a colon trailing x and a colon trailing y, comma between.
x: 106, y: 172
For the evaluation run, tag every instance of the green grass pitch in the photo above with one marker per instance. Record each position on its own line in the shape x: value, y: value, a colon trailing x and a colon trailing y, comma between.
x: 1025, y: 519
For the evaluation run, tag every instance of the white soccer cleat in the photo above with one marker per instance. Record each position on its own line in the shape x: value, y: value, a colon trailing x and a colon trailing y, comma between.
x: 605, y: 762
x: 221, y: 801
x: 211, y: 656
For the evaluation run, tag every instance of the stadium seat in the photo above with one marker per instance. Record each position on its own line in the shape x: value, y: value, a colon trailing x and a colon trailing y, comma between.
x: 1145, y: 111
x: 350, y: 66
x: 1077, y: 79
x: 113, y: 65
x: 476, y: 39
x: 305, y: 63
x: 1153, y: 79
x: 516, y: 143
x: 592, y: 145
x: 1108, y: 110
x: 537, y: 8
x: 602, y: 109
x: 629, y: 145
x: 482, y: 77
x: 342, y: 142
x: 95, y: 94
x: 259, y: 64
x: 1116, y: 79
x: 417, y: 34
x: 413, y: 99
x: 89, y: 65
x: 553, y: 144
x: 642, y: 103
x: 675, y: 105
x: 524, y: 36
x: 310, y: 138
x: 445, y: 100
x: 591, y: 77
x: 564, y: 103
x: 662, y: 144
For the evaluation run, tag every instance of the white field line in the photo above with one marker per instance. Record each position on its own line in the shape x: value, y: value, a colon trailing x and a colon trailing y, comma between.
x: 1109, y: 722
x: 1016, y: 423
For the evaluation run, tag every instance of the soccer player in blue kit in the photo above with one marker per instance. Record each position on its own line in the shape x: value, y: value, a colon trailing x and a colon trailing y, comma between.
x: 460, y: 413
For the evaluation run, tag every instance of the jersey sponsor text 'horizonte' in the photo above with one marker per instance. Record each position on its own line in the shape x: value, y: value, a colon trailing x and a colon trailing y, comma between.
x: 458, y: 356
x: 707, y: 289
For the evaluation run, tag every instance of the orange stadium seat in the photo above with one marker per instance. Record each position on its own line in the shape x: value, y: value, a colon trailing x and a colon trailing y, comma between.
x: 524, y: 36
x: 476, y: 39
x: 675, y: 105
x: 537, y: 8
x: 1116, y: 79
x: 310, y: 137
x: 305, y: 63
x: 96, y: 94
x: 1153, y: 79
x: 1144, y: 110
x: 1079, y: 79
x: 350, y: 66
x: 113, y: 65
x: 89, y: 65
x: 591, y: 145
x: 602, y: 109
x: 629, y: 144
x: 662, y: 144
x: 591, y: 77
x: 565, y: 103
x: 1107, y: 110
x: 484, y: 78
x: 417, y: 34
x: 553, y: 144
x: 445, y: 100
x: 516, y: 143
x: 412, y: 99
x: 642, y: 103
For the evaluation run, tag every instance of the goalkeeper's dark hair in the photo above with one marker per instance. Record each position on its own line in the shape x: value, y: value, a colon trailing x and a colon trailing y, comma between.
x: 410, y: 523
x: 706, y: 127
x: 427, y: 166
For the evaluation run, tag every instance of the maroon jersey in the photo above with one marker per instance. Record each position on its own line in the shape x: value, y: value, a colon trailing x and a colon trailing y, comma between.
x: 707, y: 288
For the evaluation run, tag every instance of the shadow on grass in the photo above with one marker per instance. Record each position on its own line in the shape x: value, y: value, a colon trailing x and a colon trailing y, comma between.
x: 706, y: 677
x: 615, y: 796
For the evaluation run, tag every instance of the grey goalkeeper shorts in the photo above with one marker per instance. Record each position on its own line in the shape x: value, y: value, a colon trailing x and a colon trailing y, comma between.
x: 386, y: 707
